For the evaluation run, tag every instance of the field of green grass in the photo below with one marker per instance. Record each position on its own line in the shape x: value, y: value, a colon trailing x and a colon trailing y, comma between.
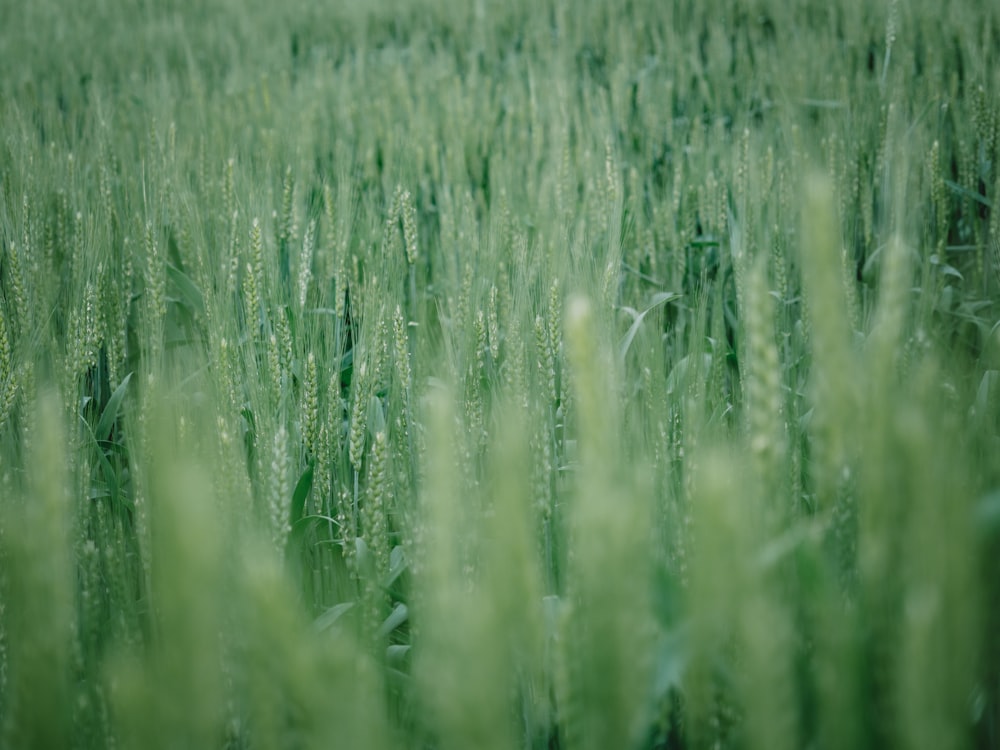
x: 538, y: 374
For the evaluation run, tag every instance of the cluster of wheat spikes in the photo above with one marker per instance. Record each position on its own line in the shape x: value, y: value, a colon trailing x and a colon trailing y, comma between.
x: 532, y: 374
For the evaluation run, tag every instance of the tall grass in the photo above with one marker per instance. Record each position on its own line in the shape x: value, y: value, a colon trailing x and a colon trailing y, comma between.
x: 500, y: 375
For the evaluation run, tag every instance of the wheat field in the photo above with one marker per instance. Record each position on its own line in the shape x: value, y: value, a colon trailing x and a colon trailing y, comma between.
x: 515, y: 374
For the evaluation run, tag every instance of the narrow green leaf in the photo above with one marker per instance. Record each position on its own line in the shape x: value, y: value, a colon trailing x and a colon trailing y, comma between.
x: 397, y: 564
x: 110, y: 413
x: 658, y: 299
x: 396, y: 653
x: 671, y: 662
x: 302, y: 488
x: 363, y: 557
x: 107, y: 470
x: 329, y: 618
x: 187, y: 290
x: 968, y: 193
x: 399, y: 678
x: 397, y: 617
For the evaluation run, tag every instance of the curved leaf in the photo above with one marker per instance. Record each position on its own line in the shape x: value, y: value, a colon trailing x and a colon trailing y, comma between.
x: 397, y: 617
x: 329, y: 618
x: 658, y: 299
x: 110, y: 413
